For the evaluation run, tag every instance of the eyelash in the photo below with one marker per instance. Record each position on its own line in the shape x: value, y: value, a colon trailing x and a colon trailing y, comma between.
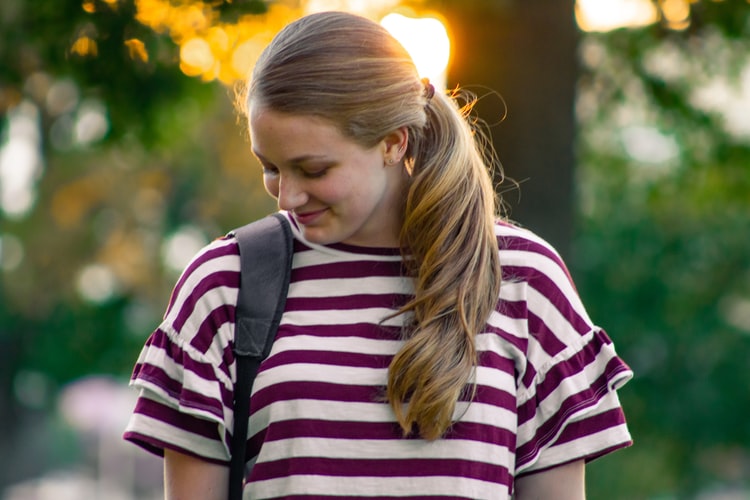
x: 315, y: 175
x: 310, y: 175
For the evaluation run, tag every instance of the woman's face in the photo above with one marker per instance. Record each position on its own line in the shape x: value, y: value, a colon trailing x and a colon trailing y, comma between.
x: 337, y: 190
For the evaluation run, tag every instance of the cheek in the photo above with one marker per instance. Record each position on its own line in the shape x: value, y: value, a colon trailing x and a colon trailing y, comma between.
x: 272, y: 185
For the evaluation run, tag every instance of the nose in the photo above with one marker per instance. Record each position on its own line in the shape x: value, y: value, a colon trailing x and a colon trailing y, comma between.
x: 291, y: 191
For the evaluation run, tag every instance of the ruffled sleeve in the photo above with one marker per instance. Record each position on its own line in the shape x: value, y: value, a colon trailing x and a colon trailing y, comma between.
x: 567, y: 404
x: 571, y: 410
x: 185, y: 370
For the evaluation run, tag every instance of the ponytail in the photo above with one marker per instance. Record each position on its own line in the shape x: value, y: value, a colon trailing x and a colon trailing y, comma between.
x: 451, y: 251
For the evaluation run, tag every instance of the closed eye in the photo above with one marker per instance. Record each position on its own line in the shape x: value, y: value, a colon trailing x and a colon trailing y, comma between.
x: 315, y: 174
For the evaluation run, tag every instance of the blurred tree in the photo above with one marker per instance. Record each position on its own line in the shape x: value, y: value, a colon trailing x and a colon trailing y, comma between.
x: 520, y: 60
x: 662, y: 251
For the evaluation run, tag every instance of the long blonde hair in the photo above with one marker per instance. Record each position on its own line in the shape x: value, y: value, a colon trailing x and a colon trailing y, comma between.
x: 352, y: 72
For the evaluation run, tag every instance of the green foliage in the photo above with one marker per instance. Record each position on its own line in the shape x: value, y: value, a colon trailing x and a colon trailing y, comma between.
x: 174, y: 157
x: 663, y: 254
x: 138, y: 93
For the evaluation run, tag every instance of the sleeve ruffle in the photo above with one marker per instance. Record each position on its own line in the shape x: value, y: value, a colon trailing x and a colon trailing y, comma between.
x: 181, y: 378
x: 573, y: 406
x: 186, y: 368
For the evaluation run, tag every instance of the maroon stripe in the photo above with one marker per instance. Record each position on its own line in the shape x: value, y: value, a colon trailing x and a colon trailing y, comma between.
x: 591, y: 425
x: 160, y: 340
x: 200, y: 260
x: 348, y: 269
x: 322, y: 391
x: 175, y: 418
x: 515, y: 309
x: 344, y: 302
x: 174, y: 389
x: 529, y: 375
x: 206, y: 332
x: 363, y: 330
x: 208, y: 283
x: 406, y: 468
x: 495, y: 397
x: 491, y: 359
x: 548, y: 288
x: 333, y: 358
x: 311, y: 428
x: 518, y: 342
x: 586, y: 356
x: 523, y: 244
x: 546, y: 337
x: 558, y: 373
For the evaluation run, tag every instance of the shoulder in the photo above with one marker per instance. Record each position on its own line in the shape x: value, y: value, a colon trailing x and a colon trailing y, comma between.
x: 526, y: 256
x: 218, y: 257
x: 210, y: 280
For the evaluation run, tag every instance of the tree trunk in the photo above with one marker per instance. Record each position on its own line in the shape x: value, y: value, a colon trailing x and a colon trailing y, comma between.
x: 525, y: 50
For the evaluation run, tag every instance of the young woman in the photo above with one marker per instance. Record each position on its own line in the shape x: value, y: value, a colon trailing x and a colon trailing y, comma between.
x: 427, y: 349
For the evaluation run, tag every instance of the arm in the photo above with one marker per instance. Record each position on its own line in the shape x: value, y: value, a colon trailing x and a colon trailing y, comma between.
x: 190, y: 478
x: 566, y: 482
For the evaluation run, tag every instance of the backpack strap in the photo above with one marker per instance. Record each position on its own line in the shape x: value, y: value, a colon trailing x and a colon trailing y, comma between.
x: 266, y: 261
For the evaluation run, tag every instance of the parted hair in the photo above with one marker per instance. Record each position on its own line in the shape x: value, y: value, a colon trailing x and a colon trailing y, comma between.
x: 350, y: 71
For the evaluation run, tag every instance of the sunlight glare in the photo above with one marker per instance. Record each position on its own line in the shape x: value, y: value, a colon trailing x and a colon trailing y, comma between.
x: 363, y: 7
x: 606, y: 15
x: 426, y: 39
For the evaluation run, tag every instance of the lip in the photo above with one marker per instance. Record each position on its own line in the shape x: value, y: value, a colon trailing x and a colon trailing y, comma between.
x: 306, y: 218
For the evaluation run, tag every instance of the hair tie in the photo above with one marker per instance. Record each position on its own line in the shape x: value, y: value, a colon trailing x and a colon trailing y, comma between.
x: 429, y: 89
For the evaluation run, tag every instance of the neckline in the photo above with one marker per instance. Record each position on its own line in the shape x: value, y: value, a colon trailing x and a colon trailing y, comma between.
x: 340, y: 247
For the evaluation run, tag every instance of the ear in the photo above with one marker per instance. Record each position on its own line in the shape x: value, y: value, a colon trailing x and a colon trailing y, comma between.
x: 394, y: 145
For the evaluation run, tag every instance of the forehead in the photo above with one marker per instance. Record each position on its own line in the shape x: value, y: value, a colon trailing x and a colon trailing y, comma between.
x: 277, y: 133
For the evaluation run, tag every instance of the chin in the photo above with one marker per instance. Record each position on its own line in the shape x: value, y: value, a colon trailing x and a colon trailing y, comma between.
x: 315, y: 235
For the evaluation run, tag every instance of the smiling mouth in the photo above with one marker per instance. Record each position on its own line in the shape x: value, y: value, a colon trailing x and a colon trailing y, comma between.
x: 306, y: 218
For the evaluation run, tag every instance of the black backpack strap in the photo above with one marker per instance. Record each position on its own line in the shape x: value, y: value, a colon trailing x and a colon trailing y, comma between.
x: 266, y: 257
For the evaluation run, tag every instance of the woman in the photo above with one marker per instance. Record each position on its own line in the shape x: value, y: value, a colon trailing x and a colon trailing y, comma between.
x: 408, y: 362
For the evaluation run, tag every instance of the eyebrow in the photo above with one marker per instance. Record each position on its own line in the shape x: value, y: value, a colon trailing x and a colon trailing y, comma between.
x: 294, y: 161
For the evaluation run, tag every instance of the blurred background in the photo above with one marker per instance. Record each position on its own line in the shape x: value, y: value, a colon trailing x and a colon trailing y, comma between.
x: 623, y: 127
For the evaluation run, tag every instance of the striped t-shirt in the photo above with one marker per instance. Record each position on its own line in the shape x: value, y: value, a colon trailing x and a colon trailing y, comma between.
x: 319, y: 425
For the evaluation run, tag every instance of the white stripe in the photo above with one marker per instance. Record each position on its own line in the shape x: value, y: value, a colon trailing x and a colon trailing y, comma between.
x: 380, y: 449
x: 377, y: 487
x: 311, y: 372
x: 328, y: 288
x: 336, y: 344
x: 496, y: 379
x: 338, y: 317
